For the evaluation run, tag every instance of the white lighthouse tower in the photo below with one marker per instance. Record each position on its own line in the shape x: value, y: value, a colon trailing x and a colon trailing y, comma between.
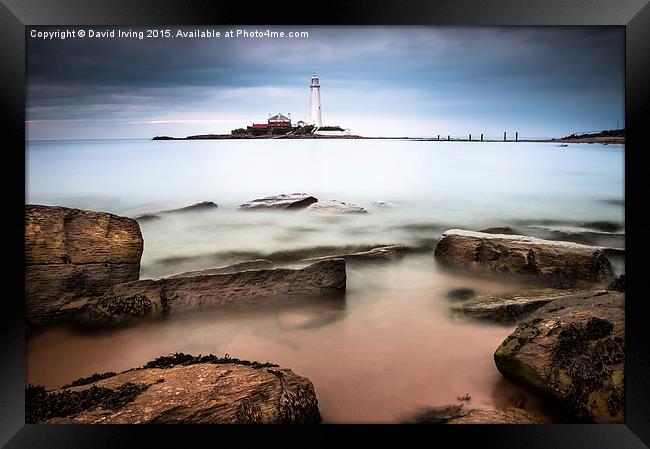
x: 314, y: 104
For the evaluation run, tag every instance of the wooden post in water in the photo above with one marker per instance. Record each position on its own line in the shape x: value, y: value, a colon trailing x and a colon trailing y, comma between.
x: 438, y: 136
x: 504, y: 136
x: 448, y: 137
x: 481, y: 137
x: 470, y: 137
x: 516, y: 136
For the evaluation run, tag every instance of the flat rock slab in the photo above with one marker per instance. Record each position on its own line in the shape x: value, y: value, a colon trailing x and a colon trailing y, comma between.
x: 546, y: 260
x: 203, y: 393
x: 379, y: 254
x: 257, y: 264
x: 72, y: 254
x: 288, y: 201
x: 252, y: 287
x: 511, y: 307
x: 572, y: 349
x: 335, y: 207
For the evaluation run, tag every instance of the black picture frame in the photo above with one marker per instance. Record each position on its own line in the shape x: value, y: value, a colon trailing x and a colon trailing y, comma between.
x: 15, y: 15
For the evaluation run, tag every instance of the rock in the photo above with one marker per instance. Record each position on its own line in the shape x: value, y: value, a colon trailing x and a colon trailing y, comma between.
x: 603, y: 226
x: 325, y: 278
x: 511, y: 307
x: 498, y: 230
x: 436, y: 415
x: 336, y: 207
x: 460, y: 294
x: 504, y: 415
x: 548, y: 261
x: 618, y: 284
x: 73, y: 254
x: 207, y: 390
x: 457, y: 414
x: 613, y: 252
x: 204, y: 205
x: 257, y: 264
x: 289, y: 201
x: 573, y: 349
x: 147, y: 217
x: 380, y: 254
x: 194, y: 207
x: 384, y: 205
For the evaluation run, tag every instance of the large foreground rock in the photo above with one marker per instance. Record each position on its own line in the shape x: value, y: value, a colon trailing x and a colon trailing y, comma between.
x: 252, y: 287
x: 573, y: 349
x: 221, y: 392
x: 511, y: 307
x: 71, y: 254
x: 336, y: 207
x: 457, y: 414
x: 554, y: 262
x: 288, y: 201
x: 380, y: 254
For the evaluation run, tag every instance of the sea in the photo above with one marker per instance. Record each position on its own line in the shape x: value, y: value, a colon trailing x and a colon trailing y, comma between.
x: 391, y: 346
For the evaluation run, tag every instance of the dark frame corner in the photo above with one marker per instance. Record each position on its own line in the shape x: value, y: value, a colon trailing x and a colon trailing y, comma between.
x: 633, y: 14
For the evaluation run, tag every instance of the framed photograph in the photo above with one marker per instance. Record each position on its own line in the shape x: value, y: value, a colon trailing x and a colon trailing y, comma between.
x: 346, y: 213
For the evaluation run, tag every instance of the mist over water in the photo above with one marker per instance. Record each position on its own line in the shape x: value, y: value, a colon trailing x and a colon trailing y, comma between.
x: 391, y: 345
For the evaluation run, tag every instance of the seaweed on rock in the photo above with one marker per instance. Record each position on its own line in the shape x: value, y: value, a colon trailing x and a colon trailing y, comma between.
x: 41, y: 405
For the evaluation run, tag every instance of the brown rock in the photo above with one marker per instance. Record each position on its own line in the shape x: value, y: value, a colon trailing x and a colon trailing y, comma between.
x: 72, y: 254
x: 325, y: 278
x: 548, y: 261
x: 505, y: 415
x: 59, y: 235
x: 498, y: 230
x: 573, y: 349
x: 381, y: 253
x: 146, y: 218
x: 203, y: 393
x: 457, y: 414
x: 511, y: 307
x: 203, y: 205
x: 257, y: 264
x: 288, y: 201
x: 335, y: 207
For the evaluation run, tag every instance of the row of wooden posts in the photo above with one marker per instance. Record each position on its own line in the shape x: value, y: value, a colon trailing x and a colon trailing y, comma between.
x: 470, y: 137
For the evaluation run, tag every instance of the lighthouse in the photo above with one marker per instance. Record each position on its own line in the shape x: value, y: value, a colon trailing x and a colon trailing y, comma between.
x: 314, y: 103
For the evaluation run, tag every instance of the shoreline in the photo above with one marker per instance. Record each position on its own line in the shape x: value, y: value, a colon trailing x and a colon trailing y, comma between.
x: 601, y: 140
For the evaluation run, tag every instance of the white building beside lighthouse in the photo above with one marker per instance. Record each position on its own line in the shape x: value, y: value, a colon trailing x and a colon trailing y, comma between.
x: 314, y: 103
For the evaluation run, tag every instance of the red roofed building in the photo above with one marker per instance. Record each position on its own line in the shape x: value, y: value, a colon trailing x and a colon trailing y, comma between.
x: 279, y: 120
x: 276, y: 121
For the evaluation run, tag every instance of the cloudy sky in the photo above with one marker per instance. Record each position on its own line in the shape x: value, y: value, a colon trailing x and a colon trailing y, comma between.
x: 377, y: 81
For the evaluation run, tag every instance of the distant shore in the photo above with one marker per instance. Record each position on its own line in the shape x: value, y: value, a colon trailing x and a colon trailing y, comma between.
x: 577, y: 139
x: 251, y: 137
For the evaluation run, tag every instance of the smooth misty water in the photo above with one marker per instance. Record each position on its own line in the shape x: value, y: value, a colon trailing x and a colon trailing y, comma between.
x: 391, y: 345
